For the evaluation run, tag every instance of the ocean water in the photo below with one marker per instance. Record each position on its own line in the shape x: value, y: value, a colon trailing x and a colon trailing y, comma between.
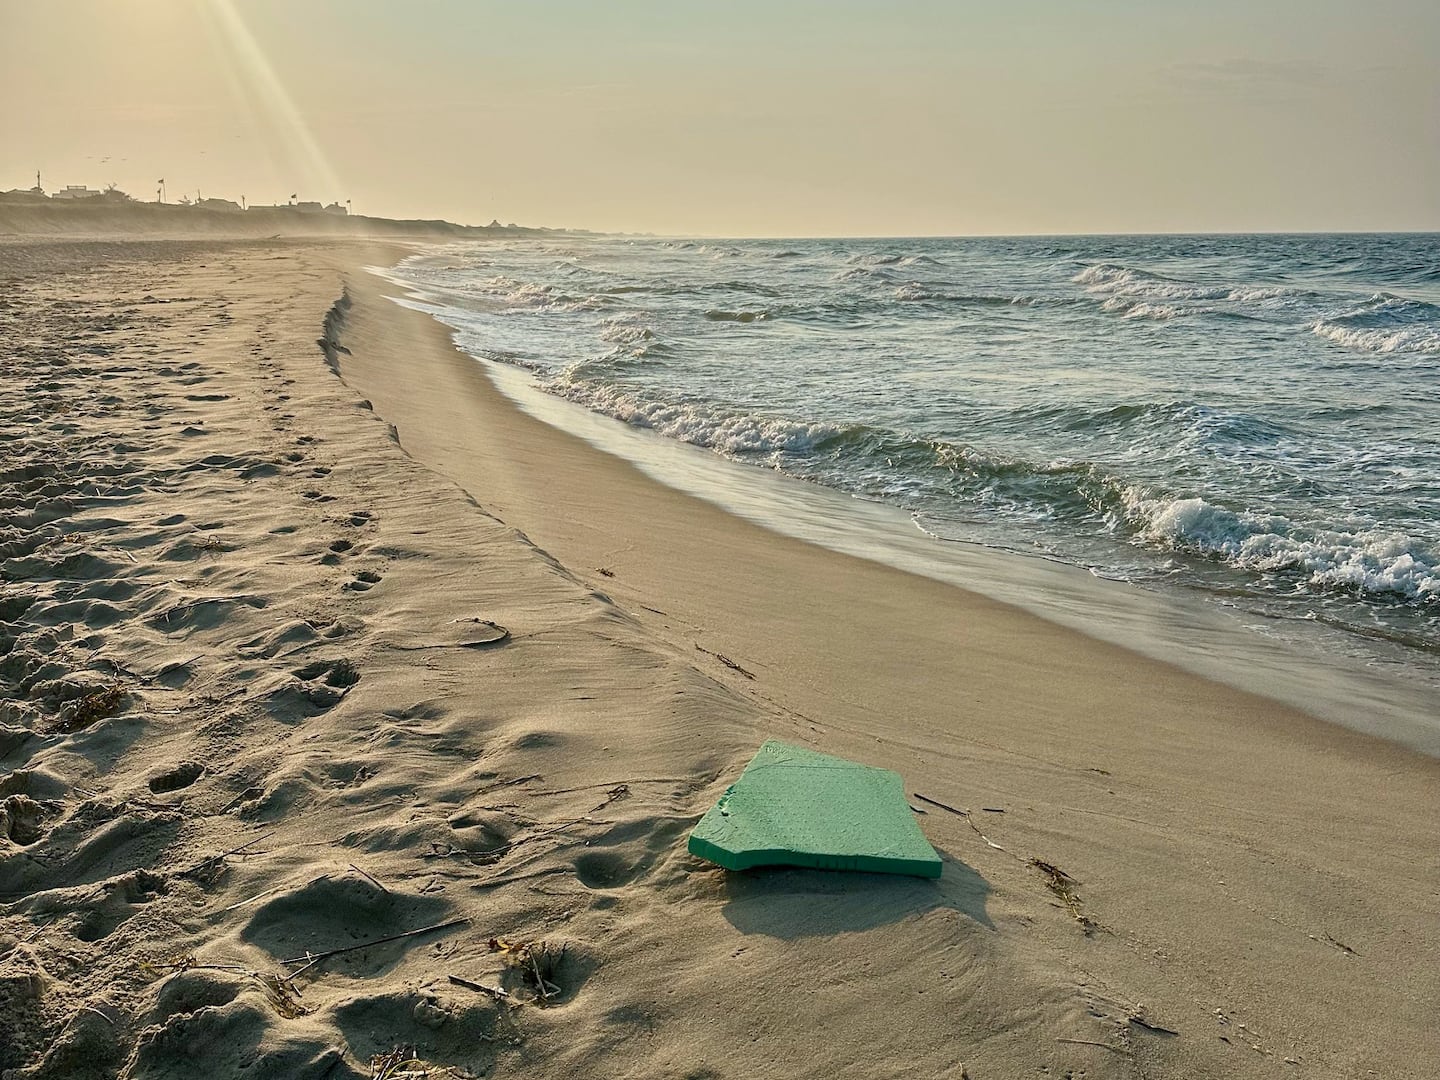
x: 1251, y: 421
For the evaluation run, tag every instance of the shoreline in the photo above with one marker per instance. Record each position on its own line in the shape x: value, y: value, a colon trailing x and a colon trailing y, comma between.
x: 1173, y: 630
x: 1313, y: 648
x: 1239, y: 885
x: 1216, y: 644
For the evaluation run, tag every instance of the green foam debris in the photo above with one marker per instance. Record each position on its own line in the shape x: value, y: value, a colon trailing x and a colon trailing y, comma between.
x: 797, y: 807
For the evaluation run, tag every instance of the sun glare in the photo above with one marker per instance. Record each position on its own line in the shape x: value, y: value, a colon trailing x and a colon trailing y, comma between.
x: 277, y: 121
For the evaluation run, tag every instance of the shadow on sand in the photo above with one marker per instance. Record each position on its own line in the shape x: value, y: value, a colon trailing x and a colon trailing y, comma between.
x: 788, y: 903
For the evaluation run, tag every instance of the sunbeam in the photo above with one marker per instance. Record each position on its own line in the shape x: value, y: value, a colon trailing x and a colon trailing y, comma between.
x: 277, y: 120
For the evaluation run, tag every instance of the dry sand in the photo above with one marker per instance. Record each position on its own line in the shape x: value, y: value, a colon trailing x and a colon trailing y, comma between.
x: 248, y: 611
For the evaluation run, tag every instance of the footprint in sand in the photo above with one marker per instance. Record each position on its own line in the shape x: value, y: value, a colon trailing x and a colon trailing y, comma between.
x: 321, y: 685
x: 21, y: 820
x: 178, y: 777
x: 340, y: 673
x: 338, y: 549
x: 116, y: 901
x: 364, y: 580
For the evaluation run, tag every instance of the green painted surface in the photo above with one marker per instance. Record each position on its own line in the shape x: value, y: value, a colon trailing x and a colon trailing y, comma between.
x: 796, y: 807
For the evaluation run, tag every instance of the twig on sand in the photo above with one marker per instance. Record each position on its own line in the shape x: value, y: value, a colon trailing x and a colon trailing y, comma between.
x: 173, y: 666
x: 1329, y: 940
x: 309, y: 960
x: 251, y: 900
x: 941, y: 805
x: 510, y: 783
x: 252, y: 792
x: 1063, y: 885
x: 205, y: 863
x: 40, y: 929
x: 964, y: 814
x: 97, y: 1012
x: 369, y: 877
x: 494, y: 991
x: 526, y: 956
x: 279, y: 991
x: 389, y: 1066
x: 542, y: 987
x: 615, y: 794
x: 494, y: 855
x: 1140, y: 1021
x: 731, y: 664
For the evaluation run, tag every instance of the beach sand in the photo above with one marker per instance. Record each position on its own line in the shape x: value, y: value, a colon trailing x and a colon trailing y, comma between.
x: 259, y: 705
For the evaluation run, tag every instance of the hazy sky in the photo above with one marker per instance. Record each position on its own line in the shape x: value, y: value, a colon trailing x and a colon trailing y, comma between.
x: 738, y: 118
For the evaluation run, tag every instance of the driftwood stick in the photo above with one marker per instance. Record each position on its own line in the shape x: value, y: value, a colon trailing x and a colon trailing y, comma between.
x: 311, y: 959
x: 731, y: 664
x: 969, y: 820
x: 173, y: 666
x: 202, y: 864
x: 540, y: 983
x: 369, y: 877
x: 941, y: 805
x: 509, y: 783
x: 1140, y: 1021
x: 494, y: 991
x: 44, y: 922
x: 251, y: 900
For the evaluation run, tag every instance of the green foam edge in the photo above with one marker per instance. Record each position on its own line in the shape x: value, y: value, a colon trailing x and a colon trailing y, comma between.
x: 797, y: 807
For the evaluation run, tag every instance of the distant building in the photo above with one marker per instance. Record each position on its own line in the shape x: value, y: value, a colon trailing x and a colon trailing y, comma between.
x: 218, y: 204
x: 305, y: 208
x: 76, y: 191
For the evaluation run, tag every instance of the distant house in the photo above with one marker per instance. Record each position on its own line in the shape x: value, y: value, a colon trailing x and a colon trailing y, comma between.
x: 24, y: 195
x: 218, y: 204
x: 76, y: 191
x: 309, y: 207
x: 336, y: 208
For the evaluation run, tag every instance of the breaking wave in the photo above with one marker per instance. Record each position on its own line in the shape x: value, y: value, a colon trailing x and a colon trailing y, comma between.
x: 1136, y: 294
x: 732, y: 433
x: 1374, y: 562
x: 1385, y: 324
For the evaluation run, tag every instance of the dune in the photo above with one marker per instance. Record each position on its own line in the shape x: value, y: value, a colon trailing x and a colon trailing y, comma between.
x: 353, y: 717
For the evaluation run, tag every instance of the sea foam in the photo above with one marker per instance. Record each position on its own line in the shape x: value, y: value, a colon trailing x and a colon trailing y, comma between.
x: 728, y: 432
x: 1374, y: 561
x: 1385, y: 324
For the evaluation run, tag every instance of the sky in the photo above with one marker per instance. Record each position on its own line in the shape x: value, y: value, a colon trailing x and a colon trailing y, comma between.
x: 782, y: 118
